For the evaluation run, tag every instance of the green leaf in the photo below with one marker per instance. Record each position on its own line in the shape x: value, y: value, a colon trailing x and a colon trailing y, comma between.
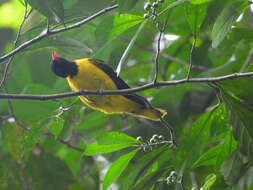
x: 49, y: 8
x: 95, y: 148
x: 56, y: 126
x: 196, y: 2
x: 126, y: 5
x: 225, y: 20
x: 195, y: 139
x: 209, y: 181
x: 113, y: 138
x: 241, y: 118
x: 110, y: 142
x: 236, y: 95
x: 117, y: 168
x: 195, y: 15
x: 217, y: 155
x: 112, y: 26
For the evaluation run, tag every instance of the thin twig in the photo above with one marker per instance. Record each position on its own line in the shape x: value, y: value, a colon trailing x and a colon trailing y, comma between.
x: 123, y: 91
x: 157, y: 55
x: 46, y: 33
x: 64, y: 142
x: 161, y: 31
x: 191, y: 53
x: 165, y: 56
x: 12, y: 113
x: 26, y: 14
x: 248, y: 61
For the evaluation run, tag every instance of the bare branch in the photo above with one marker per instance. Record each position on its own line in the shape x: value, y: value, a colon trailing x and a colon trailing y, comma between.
x: 124, y: 91
x: 46, y: 33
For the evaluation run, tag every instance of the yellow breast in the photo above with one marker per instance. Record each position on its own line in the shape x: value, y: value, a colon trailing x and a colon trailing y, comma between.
x: 90, y: 77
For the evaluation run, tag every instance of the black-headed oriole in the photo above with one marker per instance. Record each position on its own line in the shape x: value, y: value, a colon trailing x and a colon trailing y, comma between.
x: 93, y: 74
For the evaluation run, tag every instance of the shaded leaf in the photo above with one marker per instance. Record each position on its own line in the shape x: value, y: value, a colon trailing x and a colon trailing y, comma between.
x: 216, y: 155
x: 43, y: 175
x: 9, y: 173
x: 238, y: 172
x: 241, y: 119
x: 225, y: 20
x: 50, y: 8
x: 117, y: 168
x: 126, y: 5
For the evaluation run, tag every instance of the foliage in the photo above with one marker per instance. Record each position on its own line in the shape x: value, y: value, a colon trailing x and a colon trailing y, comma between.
x: 60, y: 144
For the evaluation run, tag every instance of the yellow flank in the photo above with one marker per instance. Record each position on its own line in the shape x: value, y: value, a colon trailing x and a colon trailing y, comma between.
x: 90, y: 77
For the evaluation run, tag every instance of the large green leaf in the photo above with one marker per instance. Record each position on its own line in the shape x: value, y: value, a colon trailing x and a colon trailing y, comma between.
x: 216, y: 155
x: 237, y: 96
x: 117, y: 168
x: 225, y: 20
x: 195, y: 15
x: 112, y: 26
x: 241, y: 118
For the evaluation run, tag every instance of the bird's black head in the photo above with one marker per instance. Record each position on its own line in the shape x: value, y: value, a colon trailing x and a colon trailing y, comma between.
x: 62, y: 67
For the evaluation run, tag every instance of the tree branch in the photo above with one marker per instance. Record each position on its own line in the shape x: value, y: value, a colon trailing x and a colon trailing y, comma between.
x: 62, y: 141
x: 123, y: 91
x: 47, y: 33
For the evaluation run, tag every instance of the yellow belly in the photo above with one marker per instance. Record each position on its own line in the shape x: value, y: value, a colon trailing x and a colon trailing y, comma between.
x: 90, y: 77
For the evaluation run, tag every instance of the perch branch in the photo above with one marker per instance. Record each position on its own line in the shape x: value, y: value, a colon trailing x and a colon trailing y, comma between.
x: 124, y: 91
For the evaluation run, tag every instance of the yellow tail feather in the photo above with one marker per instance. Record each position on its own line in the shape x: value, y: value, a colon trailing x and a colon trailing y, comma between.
x: 151, y: 113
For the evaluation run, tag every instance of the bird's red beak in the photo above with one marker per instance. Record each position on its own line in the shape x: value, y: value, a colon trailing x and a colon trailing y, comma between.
x: 54, y: 56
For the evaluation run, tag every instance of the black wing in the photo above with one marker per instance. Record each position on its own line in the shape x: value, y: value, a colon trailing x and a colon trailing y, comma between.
x: 121, y: 84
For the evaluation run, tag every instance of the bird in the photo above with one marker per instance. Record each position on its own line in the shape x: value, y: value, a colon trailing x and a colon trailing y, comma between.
x: 95, y: 74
